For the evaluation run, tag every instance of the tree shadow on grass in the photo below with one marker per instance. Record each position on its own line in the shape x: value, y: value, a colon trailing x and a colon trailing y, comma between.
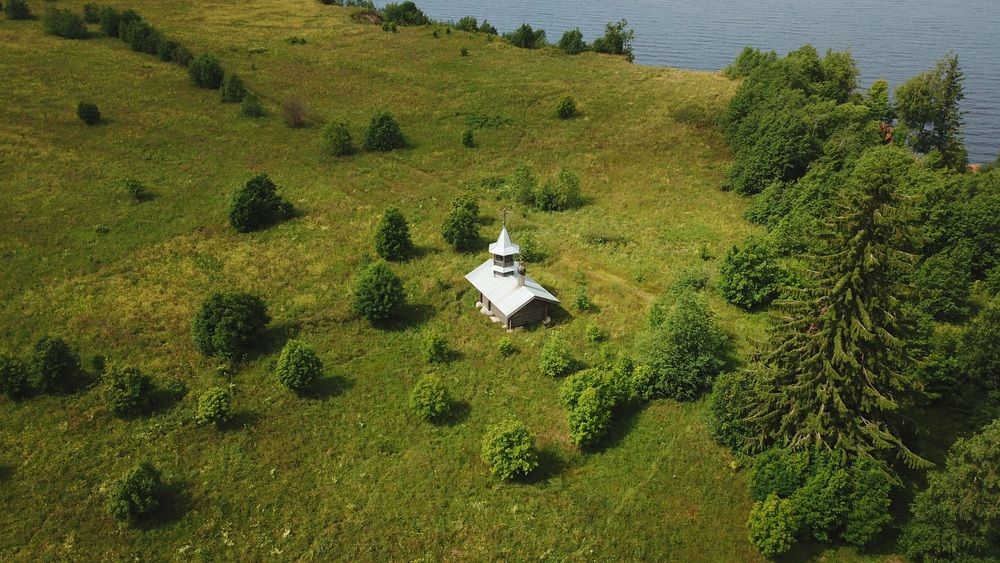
x: 551, y: 463
x: 458, y: 411
x: 273, y: 339
x: 625, y: 418
x: 411, y: 315
x: 240, y: 420
x: 327, y: 387
x: 175, y: 502
x: 6, y: 472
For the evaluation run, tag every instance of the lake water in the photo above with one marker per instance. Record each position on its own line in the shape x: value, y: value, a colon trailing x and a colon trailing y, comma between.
x: 891, y: 39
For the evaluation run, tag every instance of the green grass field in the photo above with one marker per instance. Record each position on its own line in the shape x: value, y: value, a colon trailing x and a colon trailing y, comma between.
x: 350, y: 473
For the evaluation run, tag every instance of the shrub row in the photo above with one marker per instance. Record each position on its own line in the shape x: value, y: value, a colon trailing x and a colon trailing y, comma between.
x: 558, y: 193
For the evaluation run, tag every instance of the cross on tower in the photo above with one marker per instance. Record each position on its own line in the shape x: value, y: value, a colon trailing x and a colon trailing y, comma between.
x: 503, y: 214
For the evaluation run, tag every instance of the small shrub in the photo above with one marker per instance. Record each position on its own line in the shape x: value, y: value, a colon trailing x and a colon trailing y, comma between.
x: 298, y: 366
x: 390, y: 27
x: 15, y: 378
x: 467, y: 23
x: 434, y: 34
x: 486, y: 28
x: 134, y: 188
x: 140, y: 36
x: 233, y: 90
x: 127, y: 392
x: 531, y: 251
x: 175, y: 388
x: 88, y: 113
x: 91, y: 13
x: 296, y: 40
x: 109, y: 20
x: 461, y: 226
x: 468, y: 139
x: 429, y: 398
x: 464, y: 51
x: 406, y: 13
x: 181, y: 55
x: 257, y: 205
x: 383, y: 134
x: 251, y: 106
x: 559, y: 193
x: 572, y: 42
x: 590, y: 418
x: 555, y: 359
x: 749, y: 277
x: 206, y: 71
x: 392, y: 236
x: 166, y: 49
x: 594, y: 334
x: 435, y: 347
x: 295, y: 113
x: 64, y: 23
x: 54, y: 365
x: 773, y: 526
x: 526, y: 37
x: 509, y: 450
x: 229, y: 323
x: 777, y: 472
x: 566, y: 108
x: 506, y: 348
x: 378, y: 293
x: 17, y: 10
x: 336, y: 139
x: 136, y: 495
x: 616, y: 40
x: 215, y: 406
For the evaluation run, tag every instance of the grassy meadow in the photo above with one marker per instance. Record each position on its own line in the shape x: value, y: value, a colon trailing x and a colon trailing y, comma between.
x: 349, y: 472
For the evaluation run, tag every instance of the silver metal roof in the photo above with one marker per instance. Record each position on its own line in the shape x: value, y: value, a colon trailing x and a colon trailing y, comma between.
x: 503, y: 291
x: 504, y: 246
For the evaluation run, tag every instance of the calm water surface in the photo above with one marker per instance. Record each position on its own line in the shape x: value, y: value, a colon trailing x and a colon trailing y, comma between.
x: 891, y: 39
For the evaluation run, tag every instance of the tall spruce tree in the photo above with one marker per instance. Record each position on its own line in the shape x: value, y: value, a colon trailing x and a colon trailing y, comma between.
x: 838, y: 350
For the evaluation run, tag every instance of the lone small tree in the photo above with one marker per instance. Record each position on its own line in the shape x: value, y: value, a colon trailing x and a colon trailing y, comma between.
x: 88, y: 113
x: 429, y: 398
x: 127, y: 392
x: 383, y: 134
x: 215, y: 406
x: 336, y: 139
x: 378, y: 293
x: 229, y: 323
x: 298, y: 366
x: 392, y: 236
x: 257, y: 205
x: 461, y: 226
x: 509, y: 450
x: 137, y: 494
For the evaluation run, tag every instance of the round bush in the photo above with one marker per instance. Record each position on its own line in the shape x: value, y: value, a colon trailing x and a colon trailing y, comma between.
x: 337, y: 139
x: 65, y: 23
x: 17, y: 10
x: 461, y: 228
x: 233, y: 90
x: 257, y: 205
x: 137, y: 494
x: 127, y: 392
x: 429, y: 398
x: 773, y: 526
x: 590, y: 418
x: 88, y: 113
x: 506, y: 348
x: 251, y: 106
x: 392, y: 236
x: 298, y: 366
x: 378, y: 293
x: 383, y: 133
x: 749, y: 277
x: 54, y: 365
x: 468, y: 139
x: 555, y: 359
x: 572, y: 42
x: 206, y: 71
x: 566, y: 108
x: 229, y: 323
x: 435, y: 347
x: 15, y: 379
x: 509, y: 450
x: 215, y: 406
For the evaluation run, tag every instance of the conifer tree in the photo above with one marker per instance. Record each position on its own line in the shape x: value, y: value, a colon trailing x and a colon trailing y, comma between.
x: 392, y: 236
x: 838, y: 350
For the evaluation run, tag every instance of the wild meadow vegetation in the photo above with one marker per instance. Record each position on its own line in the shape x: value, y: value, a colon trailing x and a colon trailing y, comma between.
x: 236, y: 324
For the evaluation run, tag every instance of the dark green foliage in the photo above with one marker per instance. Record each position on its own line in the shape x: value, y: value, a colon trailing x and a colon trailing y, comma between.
x: 943, y: 282
x: 392, y: 236
x: 957, y: 518
x: 773, y: 525
x: 257, y: 205
x: 406, y: 13
x: 486, y: 28
x: 15, y: 377
x: 468, y: 139
x: 581, y: 296
x: 181, y: 55
x: 555, y: 359
x: 566, y: 108
x: 509, y: 450
x: 979, y: 348
x: 336, y: 139
x: 777, y: 472
x: 838, y: 351
x: 616, y: 40
x: 127, y: 18
x: 435, y: 347
x: 378, y: 293
x: 526, y: 38
x: 506, y: 348
x: 137, y: 494
x: 734, y: 397
x: 461, y: 226
x: 140, y: 36
x: 233, y: 90
x: 229, y: 323
x: 467, y: 23
x: 747, y: 61
x: 251, y: 106
x: 17, y: 10
x: 383, y: 134
x: 590, y: 398
x: 749, y: 277
x: 91, y: 13
x: 961, y: 210
x: 572, y: 42
x: 88, y: 113
x: 879, y: 105
x: 215, y: 406
x: 868, y: 501
x: 110, y: 19
x: 54, y: 365
x: 64, y: 23
x: 127, y: 392
x: 683, y: 353
x: 559, y: 193
x: 429, y: 398
x: 166, y: 48
x: 298, y: 366
x: 929, y: 114
x: 390, y: 26
x: 206, y: 71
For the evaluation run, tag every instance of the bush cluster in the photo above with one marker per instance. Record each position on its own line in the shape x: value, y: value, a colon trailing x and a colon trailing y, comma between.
x: 336, y: 139
x: 378, y: 293
x: 429, y: 398
x: 590, y: 397
x: 17, y: 10
x: 299, y: 367
x: 215, y: 406
x: 750, y: 277
x: 137, y: 494
x: 257, y: 205
x: 88, y: 113
x: 229, y: 323
x: 383, y: 134
x: 127, y: 392
x: 558, y: 193
x: 509, y: 450
x: 64, y: 23
x: 526, y: 37
x: 129, y: 26
x: 616, y: 40
x: 461, y: 226
x: 406, y: 13
x: 91, y: 13
x: 54, y: 365
x: 572, y: 42
x: 206, y: 71
x: 392, y: 236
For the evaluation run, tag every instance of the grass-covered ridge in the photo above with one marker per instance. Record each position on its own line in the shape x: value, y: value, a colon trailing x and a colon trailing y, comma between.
x: 350, y: 470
